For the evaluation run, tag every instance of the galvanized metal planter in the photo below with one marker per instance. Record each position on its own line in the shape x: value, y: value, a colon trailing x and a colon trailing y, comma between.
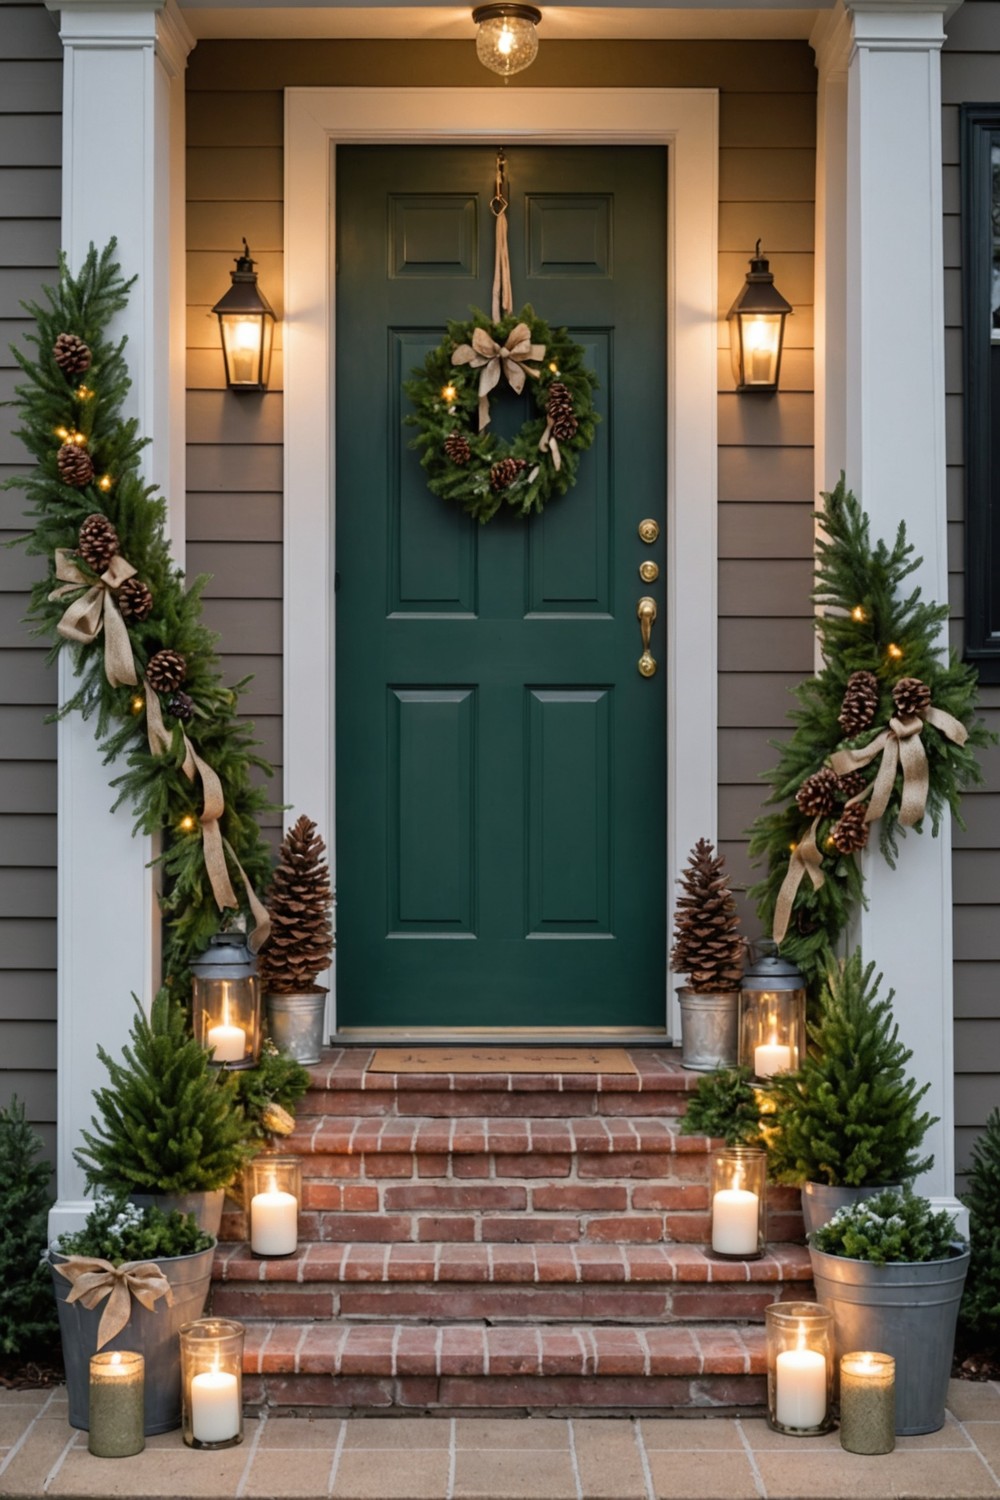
x: 296, y: 1024
x: 709, y: 1029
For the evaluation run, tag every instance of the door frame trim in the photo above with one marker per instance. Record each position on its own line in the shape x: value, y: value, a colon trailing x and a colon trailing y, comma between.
x: 685, y: 123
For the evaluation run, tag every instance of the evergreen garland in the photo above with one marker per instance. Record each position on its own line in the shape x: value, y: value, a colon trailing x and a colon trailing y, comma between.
x: 868, y: 624
x: 73, y: 400
x: 981, y: 1301
x: 27, y: 1309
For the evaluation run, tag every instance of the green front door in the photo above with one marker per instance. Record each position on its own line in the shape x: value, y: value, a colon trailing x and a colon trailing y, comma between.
x: 500, y: 760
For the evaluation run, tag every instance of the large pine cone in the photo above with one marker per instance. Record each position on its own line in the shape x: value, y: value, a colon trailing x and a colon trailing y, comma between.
x: 74, y: 463
x: 299, y: 900
x: 559, y: 410
x: 860, y: 703
x: 850, y: 785
x: 97, y: 542
x: 457, y: 448
x: 135, y: 600
x: 850, y: 833
x: 504, y: 472
x: 911, y: 696
x: 817, y: 795
x: 707, y: 944
x: 166, y: 671
x: 71, y: 355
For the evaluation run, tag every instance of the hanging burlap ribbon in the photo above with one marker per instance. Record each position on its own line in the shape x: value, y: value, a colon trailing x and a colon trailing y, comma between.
x: 486, y: 355
x: 214, y: 845
x: 548, y: 443
x: 806, y: 860
x: 97, y: 609
x: 900, y: 746
x: 94, y: 1279
x: 503, y: 296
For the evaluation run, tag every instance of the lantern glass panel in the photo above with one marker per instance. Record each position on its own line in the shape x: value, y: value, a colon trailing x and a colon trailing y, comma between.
x: 799, y: 1367
x: 273, y: 1195
x: 212, y: 1382
x: 739, y: 1201
x: 246, y: 342
x: 772, y: 1030
x: 756, y: 349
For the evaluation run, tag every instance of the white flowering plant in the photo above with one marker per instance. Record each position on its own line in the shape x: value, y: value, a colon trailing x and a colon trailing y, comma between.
x: 118, y: 1230
x: 890, y: 1226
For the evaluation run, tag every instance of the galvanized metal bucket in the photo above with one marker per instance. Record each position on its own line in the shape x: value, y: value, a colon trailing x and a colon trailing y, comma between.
x: 296, y: 1024
x: 205, y: 1206
x: 709, y: 1029
x: 909, y: 1310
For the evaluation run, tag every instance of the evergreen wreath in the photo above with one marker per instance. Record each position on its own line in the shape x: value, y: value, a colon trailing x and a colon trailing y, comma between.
x: 474, y: 468
x: 101, y: 530
x: 881, y: 668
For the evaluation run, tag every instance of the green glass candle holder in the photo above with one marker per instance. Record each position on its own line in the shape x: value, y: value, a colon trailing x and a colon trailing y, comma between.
x: 117, y: 1390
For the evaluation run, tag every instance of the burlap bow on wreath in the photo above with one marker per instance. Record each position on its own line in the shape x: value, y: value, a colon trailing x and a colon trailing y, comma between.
x: 95, y: 609
x: 508, y: 357
x: 94, y: 1279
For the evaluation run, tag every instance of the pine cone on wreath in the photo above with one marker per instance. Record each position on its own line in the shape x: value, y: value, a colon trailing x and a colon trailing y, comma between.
x: 504, y: 472
x: 860, y: 703
x: 166, y: 671
x: 559, y: 410
x: 135, y: 599
x: 911, y: 696
x: 299, y: 900
x: 71, y: 355
x: 707, y: 944
x: 75, y: 466
x: 850, y: 833
x: 850, y: 785
x: 181, y: 705
x: 817, y: 795
x: 97, y: 543
x: 457, y: 448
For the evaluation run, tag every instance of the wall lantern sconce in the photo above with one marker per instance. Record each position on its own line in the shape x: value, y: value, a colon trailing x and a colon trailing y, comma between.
x: 226, y: 1001
x: 506, y: 41
x: 757, y: 329
x: 246, y: 321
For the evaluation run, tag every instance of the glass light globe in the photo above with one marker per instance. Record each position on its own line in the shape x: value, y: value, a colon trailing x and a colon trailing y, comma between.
x: 506, y: 41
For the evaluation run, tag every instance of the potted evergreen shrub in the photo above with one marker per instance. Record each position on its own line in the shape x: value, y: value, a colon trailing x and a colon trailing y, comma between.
x: 170, y: 1127
x: 300, y: 946
x: 847, y: 1123
x: 27, y: 1313
x: 980, y: 1311
x: 891, y: 1270
x: 708, y: 948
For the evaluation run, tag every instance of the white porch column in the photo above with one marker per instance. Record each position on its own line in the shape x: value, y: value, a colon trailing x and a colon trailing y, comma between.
x: 123, y: 121
x: 893, y: 452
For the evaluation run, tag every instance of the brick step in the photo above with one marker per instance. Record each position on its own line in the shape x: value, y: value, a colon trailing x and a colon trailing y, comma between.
x: 507, y: 1283
x: 341, y: 1086
x: 315, y: 1367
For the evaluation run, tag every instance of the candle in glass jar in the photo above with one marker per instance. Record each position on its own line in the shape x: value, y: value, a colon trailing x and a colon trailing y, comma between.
x: 868, y: 1402
x: 274, y: 1223
x: 117, y: 1390
x: 800, y: 1399
x: 229, y: 1042
x: 770, y: 1058
x: 215, y: 1407
x: 735, y: 1214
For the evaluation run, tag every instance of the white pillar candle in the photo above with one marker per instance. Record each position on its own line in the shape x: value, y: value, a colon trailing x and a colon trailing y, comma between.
x: 800, y: 1397
x: 215, y: 1407
x: 734, y: 1222
x: 229, y: 1042
x: 771, y: 1058
x: 274, y: 1223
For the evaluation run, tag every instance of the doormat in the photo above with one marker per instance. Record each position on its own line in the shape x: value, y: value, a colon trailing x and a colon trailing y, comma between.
x: 501, y: 1060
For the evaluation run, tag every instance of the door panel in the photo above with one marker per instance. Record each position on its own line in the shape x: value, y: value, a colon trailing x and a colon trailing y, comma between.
x: 500, y: 761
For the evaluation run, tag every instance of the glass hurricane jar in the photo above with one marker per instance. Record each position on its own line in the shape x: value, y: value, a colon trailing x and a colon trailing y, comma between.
x: 799, y: 1367
x: 212, y: 1382
x: 273, y: 1192
x: 739, y: 1201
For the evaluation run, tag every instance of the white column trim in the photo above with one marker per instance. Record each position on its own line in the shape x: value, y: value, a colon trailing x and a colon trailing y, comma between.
x: 685, y: 122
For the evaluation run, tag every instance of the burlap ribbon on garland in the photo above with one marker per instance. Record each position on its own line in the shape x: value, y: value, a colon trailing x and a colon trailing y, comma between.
x: 94, y: 1279
x: 491, y: 358
x: 95, y: 609
x: 806, y: 860
x: 214, y: 845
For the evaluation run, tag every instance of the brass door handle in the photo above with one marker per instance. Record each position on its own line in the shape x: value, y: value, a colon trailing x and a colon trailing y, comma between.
x: 646, y: 614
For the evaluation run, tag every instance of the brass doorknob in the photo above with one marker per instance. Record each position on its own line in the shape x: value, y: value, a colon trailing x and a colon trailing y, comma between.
x: 646, y: 613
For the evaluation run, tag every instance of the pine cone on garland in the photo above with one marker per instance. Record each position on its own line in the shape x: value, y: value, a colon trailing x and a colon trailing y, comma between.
x: 860, y: 703
x: 504, y: 472
x: 457, y: 448
x: 850, y: 833
x: 71, y: 355
x: 166, y: 671
x: 299, y: 900
x: 559, y: 410
x: 850, y: 785
x: 75, y: 466
x: 817, y: 795
x: 707, y: 944
x: 135, y: 600
x: 911, y: 696
x: 181, y: 705
x: 98, y: 542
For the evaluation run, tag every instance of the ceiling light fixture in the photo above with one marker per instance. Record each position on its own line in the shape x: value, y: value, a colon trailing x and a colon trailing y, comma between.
x: 506, y: 41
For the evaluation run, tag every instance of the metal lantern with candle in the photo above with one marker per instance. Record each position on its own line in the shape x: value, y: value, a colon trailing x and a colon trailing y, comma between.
x: 799, y: 1367
x: 226, y: 1001
x: 116, y: 1421
x: 739, y: 1201
x: 273, y: 1195
x: 212, y: 1382
x: 246, y: 322
x: 757, y: 329
x: 772, y: 1017
x: 867, y: 1402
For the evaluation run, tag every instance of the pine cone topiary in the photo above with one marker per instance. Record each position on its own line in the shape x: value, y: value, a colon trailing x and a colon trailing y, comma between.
x: 707, y: 944
x: 166, y: 671
x: 860, y: 703
x: 97, y: 542
x: 559, y: 410
x: 911, y: 696
x: 181, y: 706
x: 299, y: 900
x: 457, y: 448
x: 850, y: 785
x: 75, y: 466
x: 850, y: 833
x: 71, y: 355
x: 817, y: 795
x: 504, y: 472
x: 135, y: 599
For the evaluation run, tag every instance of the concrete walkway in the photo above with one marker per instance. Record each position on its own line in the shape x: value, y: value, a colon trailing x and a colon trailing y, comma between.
x: 437, y: 1458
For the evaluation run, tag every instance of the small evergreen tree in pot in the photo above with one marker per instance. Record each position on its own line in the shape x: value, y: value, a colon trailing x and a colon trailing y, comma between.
x: 301, y: 943
x: 709, y: 949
